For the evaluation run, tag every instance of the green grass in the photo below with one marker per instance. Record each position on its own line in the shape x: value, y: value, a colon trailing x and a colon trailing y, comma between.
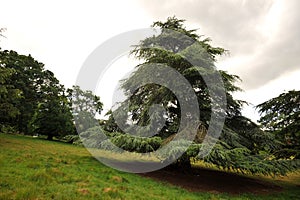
x: 38, y: 169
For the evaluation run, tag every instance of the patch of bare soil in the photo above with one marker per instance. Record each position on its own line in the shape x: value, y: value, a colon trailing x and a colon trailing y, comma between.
x: 207, y: 180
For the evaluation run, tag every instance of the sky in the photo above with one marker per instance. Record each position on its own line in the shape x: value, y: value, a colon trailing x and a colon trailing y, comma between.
x: 262, y: 37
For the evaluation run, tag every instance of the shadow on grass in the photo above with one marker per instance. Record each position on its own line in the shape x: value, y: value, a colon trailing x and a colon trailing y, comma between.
x: 208, y: 180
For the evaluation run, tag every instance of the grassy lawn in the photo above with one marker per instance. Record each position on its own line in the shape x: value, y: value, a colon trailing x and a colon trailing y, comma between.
x: 31, y: 168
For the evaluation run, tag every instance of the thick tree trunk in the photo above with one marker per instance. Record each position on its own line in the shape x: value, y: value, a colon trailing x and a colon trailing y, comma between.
x: 50, y: 137
x: 183, y: 164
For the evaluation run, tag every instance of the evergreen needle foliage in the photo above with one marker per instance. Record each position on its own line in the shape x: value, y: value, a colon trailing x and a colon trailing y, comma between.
x: 243, y: 146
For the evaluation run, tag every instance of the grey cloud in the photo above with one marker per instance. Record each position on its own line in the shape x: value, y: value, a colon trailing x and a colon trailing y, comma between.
x: 280, y: 56
x: 229, y: 23
x: 232, y: 24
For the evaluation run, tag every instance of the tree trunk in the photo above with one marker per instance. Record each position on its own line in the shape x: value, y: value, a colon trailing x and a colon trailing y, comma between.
x: 50, y: 137
x: 183, y: 164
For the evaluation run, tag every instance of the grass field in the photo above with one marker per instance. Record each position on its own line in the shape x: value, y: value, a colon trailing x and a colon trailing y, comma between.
x: 32, y: 168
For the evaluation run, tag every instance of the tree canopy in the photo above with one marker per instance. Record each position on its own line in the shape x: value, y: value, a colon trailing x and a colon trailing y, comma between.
x: 52, y: 116
x: 242, y: 144
x: 32, y: 99
x: 28, y: 77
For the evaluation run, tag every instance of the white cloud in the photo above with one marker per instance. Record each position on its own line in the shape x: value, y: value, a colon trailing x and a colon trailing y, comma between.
x: 61, y: 34
x: 108, y: 87
x: 285, y: 83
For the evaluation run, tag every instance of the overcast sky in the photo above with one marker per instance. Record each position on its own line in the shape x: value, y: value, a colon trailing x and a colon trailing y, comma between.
x: 261, y: 35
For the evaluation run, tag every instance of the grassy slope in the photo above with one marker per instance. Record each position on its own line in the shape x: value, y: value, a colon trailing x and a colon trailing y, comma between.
x: 38, y: 169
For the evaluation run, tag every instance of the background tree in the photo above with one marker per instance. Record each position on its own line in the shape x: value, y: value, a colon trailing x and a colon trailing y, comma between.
x: 9, y: 96
x: 52, y: 116
x: 281, y: 116
x: 27, y: 77
x: 32, y: 99
x: 110, y: 125
x: 85, y: 108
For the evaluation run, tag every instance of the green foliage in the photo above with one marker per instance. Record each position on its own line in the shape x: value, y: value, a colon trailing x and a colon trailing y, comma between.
x: 136, y: 144
x: 28, y: 78
x: 52, y: 116
x: 8, y: 98
x: 92, y: 137
x: 110, y: 125
x: 32, y: 99
x: 85, y: 105
x: 281, y: 115
x: 176, y: 47
x: 240, y: 131
x: 173, y: 49
x: 243, y: 146
x: 243, y: 160
x: 72, y: 139
x: 177, y: 148
x: 96, y: 137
